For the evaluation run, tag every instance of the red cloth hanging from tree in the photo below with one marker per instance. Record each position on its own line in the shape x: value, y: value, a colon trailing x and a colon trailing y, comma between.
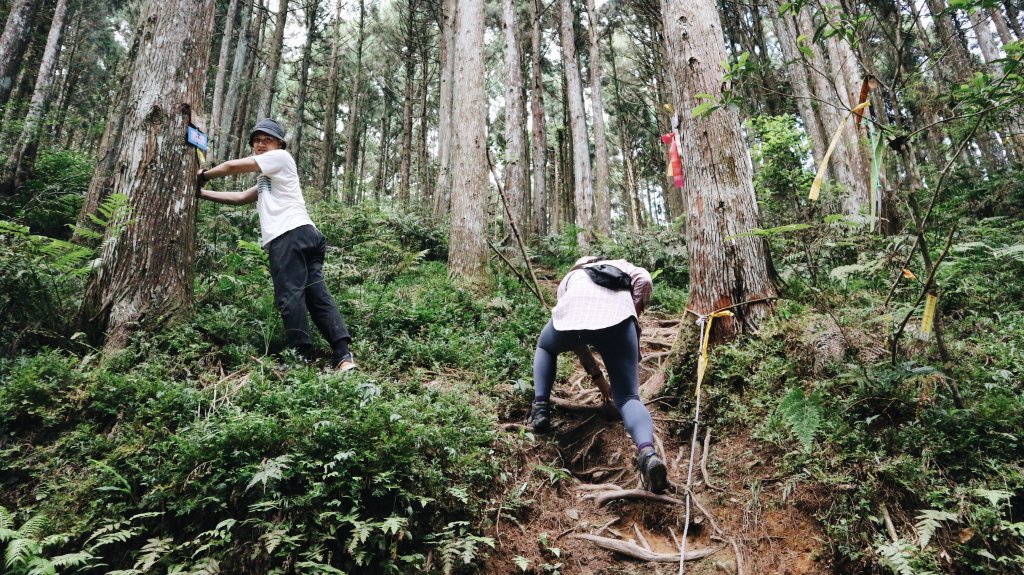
x: 675, y: 166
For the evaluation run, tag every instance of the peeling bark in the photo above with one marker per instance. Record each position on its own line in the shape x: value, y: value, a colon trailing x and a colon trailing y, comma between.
x: 144, y: 278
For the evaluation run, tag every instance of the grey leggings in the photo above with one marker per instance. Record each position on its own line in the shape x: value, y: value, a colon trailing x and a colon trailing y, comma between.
x: 619, y: 346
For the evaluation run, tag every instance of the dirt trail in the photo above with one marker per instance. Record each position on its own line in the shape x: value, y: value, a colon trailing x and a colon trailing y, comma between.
x: 553, y: 496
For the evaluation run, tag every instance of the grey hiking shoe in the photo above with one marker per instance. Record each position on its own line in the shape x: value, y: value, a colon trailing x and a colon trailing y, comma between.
x: 653, y: 472
x: 540, y: 416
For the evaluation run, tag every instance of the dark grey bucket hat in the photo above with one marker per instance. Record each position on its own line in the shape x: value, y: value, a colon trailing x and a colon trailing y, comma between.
x: 269, y: 127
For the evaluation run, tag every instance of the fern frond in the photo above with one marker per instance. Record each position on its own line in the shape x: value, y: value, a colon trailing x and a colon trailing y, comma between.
x: 803, y: 414
x: 33, y: 527
x: 270, y: 469
x: 78, y: 559
x: 19, y: 551
x: 153, y: 551
x: 896, y: 556
x: 315, y: 567
x: 928, y: 521
x: 41, y: 566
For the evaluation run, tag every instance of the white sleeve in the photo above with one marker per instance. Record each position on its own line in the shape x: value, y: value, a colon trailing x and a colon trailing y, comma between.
x: 271, y: 163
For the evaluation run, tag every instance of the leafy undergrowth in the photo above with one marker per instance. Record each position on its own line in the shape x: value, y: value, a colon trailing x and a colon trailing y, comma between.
x: 207, y: 448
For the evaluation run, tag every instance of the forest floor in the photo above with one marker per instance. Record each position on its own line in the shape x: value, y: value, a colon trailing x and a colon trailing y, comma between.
x: 754, y: 523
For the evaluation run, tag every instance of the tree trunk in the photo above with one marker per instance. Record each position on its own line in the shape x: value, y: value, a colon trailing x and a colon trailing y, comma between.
x: 146, y: 271
x: 72, y: 78
x: 957, y: 59
x: 1013, y: 16
x: 218, y: 86
x: 14, y: 41
x: 312, y: 7
x: 725, y: 270
x: 247, y: 100
x: 352, y: 129
x: 467, y: 251
x: 423, y: 184
x: 442, y: 192
x: 539, y: 135
x: 21, y: 161
x: 1005, y: 35
x: 102, y: 182
x: 265, y: 106
x: 515, y: 121
x: 582, y: 186
x: 787, y: 32
x: 383, y: 159
x: 227, y: 115
x: 986, y: 40
x: 629, y: 188
x: 602, y: 200
x: 331, y: 110
x: 407, y: 97
x: 849, y: 156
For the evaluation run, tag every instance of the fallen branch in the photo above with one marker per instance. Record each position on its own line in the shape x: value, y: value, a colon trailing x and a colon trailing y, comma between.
x: 636, y: 552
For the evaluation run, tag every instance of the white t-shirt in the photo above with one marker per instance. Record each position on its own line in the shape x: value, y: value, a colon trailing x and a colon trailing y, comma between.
x: 280, y: 204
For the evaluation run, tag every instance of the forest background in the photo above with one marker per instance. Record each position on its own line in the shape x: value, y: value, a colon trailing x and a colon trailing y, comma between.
x: 844, y: 178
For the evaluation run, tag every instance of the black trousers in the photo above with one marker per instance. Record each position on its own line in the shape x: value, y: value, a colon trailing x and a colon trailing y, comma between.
x: 296, y: 267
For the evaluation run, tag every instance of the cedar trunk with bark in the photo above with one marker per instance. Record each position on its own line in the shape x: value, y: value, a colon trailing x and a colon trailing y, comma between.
x: 582, y: 186
x: 725, y: 270
x: 467, y: 251
x: 145, y: 273
x: 13, y: 42
x: 516, y: 187
x: 21, y: 161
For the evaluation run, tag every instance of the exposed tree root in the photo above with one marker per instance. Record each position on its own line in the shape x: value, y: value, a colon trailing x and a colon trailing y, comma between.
x: 602, y: 499
x: 636, y: 552
x: 640, y: 537
x: 607, y: 408
x: 704, y: 463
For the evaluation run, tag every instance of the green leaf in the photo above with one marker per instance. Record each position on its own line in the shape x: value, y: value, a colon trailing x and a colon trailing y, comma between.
x: 704, y: 109
x: 270, y: 469
x: 803, y: 414
x: 928, y: 521
x: 994, y: 496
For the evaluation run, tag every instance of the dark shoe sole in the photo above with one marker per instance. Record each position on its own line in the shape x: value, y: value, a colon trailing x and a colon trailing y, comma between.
x: 657, y: 478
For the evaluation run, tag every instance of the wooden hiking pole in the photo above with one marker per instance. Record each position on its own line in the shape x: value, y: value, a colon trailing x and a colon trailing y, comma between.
x: 583, y: 353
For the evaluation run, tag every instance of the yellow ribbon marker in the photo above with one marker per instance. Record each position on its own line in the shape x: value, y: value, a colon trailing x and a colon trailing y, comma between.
x: 702, y: 361
x: 928, y: 319
x: 816, y: 184
x: 201, y: 157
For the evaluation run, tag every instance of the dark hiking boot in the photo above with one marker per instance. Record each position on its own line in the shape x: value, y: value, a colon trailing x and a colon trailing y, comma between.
x: 344, y: 364
x: 540, y: 416
x: 653, y: 472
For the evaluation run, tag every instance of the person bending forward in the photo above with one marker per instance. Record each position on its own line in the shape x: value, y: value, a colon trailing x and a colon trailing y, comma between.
x: 590, y: 314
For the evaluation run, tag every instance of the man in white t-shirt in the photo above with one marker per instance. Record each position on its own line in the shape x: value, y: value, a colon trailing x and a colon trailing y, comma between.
x: 296, y: 248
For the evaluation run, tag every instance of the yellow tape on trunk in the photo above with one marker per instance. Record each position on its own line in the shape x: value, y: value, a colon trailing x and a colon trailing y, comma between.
x: 928, y: 319
x: 820, y: 177
x: 702, y: 361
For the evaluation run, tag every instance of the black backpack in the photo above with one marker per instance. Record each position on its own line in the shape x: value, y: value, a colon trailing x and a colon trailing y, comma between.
x: 609, y: 276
